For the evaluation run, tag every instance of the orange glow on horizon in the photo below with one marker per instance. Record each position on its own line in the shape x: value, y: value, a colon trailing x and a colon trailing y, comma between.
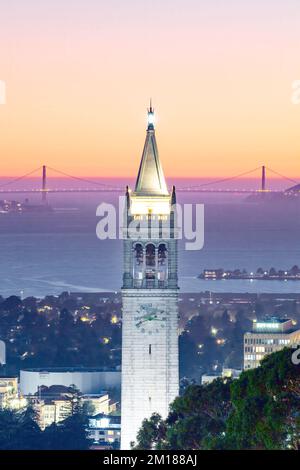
x: 78, y: 84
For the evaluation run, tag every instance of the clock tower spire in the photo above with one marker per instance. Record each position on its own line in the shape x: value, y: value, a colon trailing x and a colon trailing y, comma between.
x: 150, y: 179
x: 150, y: 378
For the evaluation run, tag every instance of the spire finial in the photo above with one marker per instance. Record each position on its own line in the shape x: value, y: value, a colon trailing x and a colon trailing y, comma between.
x: 150, y: 116
x: 150, y: 179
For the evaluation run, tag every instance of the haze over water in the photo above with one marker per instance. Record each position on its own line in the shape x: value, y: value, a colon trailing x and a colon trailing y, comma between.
x: 44, y: 253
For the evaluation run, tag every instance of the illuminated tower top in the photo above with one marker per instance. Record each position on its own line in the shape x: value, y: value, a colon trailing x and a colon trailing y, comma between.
x: 151, y: 117
x: 150, y: 180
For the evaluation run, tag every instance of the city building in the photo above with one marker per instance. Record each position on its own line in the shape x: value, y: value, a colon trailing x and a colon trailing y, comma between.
x: 267, y: 336
x: 104, y: 431
x: 10, y: 397
x: 100, y: 403
x: 226, y: 373
x: 54, y: 404
x: 87, y: 380
x: 213, y: 274
x: 52, y: 411
x: 149, y: 295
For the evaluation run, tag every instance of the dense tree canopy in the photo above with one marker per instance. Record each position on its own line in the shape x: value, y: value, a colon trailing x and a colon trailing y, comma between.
x: 44, y: 333
x: 260, y: 410
x: 19, y: 431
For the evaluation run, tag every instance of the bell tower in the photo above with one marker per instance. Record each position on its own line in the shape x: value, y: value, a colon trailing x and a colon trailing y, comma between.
x: 150, y: 372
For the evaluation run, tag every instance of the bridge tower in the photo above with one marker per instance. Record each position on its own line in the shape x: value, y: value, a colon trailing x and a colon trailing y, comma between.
x: 263, y: 178
x: 44, y: 185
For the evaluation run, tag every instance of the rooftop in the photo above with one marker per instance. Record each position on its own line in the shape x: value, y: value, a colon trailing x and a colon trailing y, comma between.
x: 273, y: 325
x: 70, y: 369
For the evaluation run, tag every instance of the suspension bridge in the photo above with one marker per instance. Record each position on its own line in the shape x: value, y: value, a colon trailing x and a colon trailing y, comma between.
x: 93, y: 186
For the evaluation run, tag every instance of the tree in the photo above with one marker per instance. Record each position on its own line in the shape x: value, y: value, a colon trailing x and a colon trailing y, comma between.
x: 266, y: 403
x: 74, y: 394
x: 295, y: 270
x: 199, y: 414
x: 28, y: 434
x: 69, y: 434
x: 88, y: 408
x: 11, y: 303
x: 151, y: 433
x: 188, y: 358
x: 272, y: 272
x: 9, y: 425
x: 260, y: 410
x: 18, y: 430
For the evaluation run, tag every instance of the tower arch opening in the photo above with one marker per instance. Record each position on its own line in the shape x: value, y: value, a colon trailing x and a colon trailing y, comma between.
x: 162, y: 264
x: 150, y: 274
x: 138, y: 264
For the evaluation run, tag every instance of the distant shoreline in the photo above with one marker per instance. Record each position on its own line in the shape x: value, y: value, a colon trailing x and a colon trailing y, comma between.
x: 260, y: 275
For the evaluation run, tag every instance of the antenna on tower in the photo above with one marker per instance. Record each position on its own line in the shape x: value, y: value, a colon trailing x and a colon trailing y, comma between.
x: 151, y: 116
x: 151, y: 110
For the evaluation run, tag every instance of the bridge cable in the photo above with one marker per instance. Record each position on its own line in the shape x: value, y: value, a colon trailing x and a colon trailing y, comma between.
x: 19, y: 178
x: 223, y: 180
x: 282, y: 176
x: 78, y: 178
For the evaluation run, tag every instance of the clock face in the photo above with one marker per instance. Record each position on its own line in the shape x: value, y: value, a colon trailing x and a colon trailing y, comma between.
x: 150, y: 319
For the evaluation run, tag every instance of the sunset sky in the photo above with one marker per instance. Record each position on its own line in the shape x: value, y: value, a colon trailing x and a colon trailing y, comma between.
x: 79, y: 75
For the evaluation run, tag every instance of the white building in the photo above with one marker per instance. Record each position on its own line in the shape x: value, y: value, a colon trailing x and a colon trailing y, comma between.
x: 10, y: 397
x: 87, y: 380
x: 268, y: 336
x: 227, y: 373
x: 150, y: 313
x: 104, y: 431
x: 51, y: 411
x: 56, y: 403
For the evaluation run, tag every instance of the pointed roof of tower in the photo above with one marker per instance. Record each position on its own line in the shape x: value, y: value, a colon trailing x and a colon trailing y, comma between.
x: 150, y: 179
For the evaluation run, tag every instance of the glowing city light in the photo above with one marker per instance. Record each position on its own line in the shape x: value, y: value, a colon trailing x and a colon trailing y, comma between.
x: 103, y: 422
x: 151, y: 118
x: 220, y: 341
x: 267, y: 325
x: 84, y: 319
